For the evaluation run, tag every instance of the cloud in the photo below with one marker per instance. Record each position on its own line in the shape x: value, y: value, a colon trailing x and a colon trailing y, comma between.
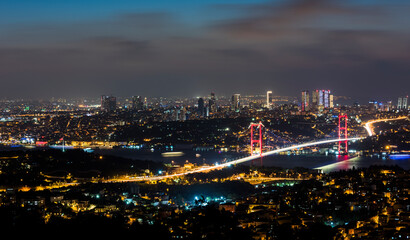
x: 283, y: 47
x: 272, y: 19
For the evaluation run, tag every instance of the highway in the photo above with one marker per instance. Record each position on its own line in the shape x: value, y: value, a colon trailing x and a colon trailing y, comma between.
x: 227, y: 164
x: 368, y: 125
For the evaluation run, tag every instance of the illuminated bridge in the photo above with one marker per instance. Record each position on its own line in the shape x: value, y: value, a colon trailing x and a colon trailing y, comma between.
x: 234, y: 162
x: 343, y: 138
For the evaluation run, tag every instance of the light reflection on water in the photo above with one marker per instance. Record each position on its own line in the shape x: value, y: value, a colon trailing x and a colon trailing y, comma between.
x: 326, y: 163
x: 362, y: 162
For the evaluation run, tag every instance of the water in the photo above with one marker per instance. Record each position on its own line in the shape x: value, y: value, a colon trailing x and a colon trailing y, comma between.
x: 199, y: 157
x: 361, y: 162
x: 326, y: 163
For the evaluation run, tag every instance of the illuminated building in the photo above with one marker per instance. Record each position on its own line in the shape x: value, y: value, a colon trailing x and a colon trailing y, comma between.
x: 322, y: 99
x: 145, y: 103
x: 315, y: 99
x: 137, y: 103
x: 305, y: 101
x: 331, y: 104
x: 389, y: 105
x: 182, y: 116
x: 235, y: 102
x: 268, y: 99
x: 212, y: 103
x: 108, y: 103
x: 402, y: 103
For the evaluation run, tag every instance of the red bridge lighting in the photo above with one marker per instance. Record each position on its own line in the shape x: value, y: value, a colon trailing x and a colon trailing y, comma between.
x: 343, y: 132
x: 259, y: 140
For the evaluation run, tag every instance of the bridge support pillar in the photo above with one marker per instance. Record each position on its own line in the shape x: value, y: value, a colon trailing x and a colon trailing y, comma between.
x: 343, y: 133
x: 258, y: 141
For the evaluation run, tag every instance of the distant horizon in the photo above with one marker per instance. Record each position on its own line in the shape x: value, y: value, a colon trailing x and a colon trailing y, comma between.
x: 346, y: 101
x: 356, y: 48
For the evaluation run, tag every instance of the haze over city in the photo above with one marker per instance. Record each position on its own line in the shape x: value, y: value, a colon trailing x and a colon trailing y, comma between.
x: 190, y: 48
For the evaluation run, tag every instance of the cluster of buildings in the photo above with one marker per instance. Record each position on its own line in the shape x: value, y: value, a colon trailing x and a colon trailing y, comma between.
x: 206, y: 106
x: 109, y: 103
x: 356, y: 204
x: 235, y: 105
x: 320, y: 100
x: 402, y: 103
x: 109, y: 121
x: 317, y: 100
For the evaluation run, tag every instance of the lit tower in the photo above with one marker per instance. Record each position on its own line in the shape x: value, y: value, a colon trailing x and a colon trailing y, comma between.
x: 268, y: 99
x: 259, y: 140
x: 108, y: 103
x: 305, y: 100
x: 212, y: 104
x: 343, y: 132
x: 236, y: 102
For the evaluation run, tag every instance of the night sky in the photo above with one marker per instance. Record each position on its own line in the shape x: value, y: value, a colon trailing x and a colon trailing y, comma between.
x: 59, y: 48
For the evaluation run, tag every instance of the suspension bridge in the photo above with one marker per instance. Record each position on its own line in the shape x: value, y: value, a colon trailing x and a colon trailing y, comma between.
x: 342, y: 139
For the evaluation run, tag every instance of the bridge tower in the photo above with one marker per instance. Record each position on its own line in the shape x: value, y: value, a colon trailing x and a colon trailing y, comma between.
x: 343, y: 132
x: 259, y: 140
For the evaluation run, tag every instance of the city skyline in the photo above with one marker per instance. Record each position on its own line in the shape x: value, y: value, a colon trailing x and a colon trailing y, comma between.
x: 88, y: 48
x: 216, y: 119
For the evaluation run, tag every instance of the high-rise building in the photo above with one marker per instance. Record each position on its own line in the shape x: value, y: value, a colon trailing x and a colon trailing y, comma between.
x: 305, y: 101
x: 321, y: 101
x: 182, y: 114
x: 201, y: 107
x: 389, y: 105
x: 176, y: 114
x: 402, y: 103
x: 137, y: 103
x: 212, y: 103
x: 269, y: 99
x: 145, y: 103
x: 323, y: 98
x: 315, y: 99
x: 108, y: 103
x: 236, y: 102
x: 331, y: 103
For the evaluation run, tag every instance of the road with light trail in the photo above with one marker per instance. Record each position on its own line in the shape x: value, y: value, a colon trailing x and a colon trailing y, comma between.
x: 227, y: 164
x: 368, y: 125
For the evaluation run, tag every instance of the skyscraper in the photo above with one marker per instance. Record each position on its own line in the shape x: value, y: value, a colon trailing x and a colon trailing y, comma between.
x: 326, y: 98
x: 331, y: 104
x: 183, y: 112
x: 201, y: 107
x: 108, y: 103
x: 235, y: 102
x: 305, y: 101
x: 145, y: 103
x: 389, y: 105
x: 212, y: 103
x: 315, y: 99
x: 268, y: 99
x: 322, y: 98
x: 402, y: 103
x: 137, y: 103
